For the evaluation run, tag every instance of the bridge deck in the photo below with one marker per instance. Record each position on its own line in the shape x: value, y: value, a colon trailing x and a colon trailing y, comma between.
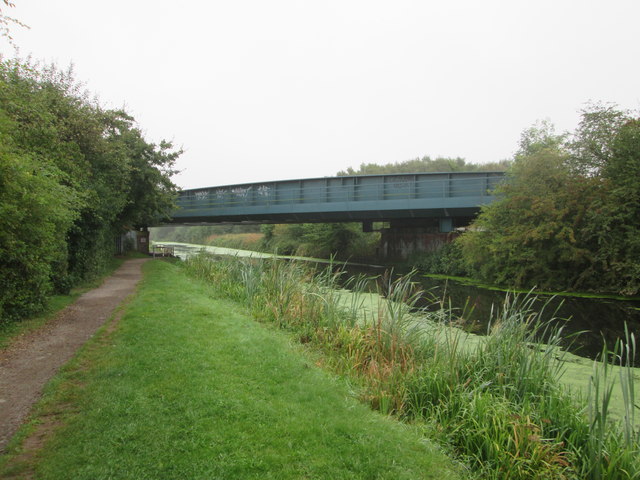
x: 337, y: 199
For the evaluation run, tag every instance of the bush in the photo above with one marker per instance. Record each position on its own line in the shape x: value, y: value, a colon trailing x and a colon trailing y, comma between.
x: 35, y: 212
x: 447, y: 260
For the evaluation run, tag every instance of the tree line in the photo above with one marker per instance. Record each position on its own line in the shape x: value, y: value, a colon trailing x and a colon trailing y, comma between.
x: 426, y: 164
x: 73, y: 177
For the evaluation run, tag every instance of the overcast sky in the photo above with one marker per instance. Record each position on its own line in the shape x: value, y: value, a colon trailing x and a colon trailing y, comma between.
x: 266, y: 90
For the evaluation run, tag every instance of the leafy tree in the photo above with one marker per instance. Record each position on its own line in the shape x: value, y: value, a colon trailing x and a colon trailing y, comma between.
x: 541, y: 136
x: 568, y: 215
x: 592, y: 143
x: 36, y: 210
x: 528, y: 237
x: 614, y: 227
x: 150, y: 194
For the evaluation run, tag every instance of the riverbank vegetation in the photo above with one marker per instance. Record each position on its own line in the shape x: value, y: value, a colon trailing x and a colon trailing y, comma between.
x: 496, y: 400
x: 74, y: 176
x: 188, y: 386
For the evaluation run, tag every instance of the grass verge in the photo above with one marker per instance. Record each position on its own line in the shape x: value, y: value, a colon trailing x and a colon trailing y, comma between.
x: 191, y: 387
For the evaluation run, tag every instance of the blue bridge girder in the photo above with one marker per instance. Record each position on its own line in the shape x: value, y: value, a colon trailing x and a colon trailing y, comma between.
x: 361, y: 198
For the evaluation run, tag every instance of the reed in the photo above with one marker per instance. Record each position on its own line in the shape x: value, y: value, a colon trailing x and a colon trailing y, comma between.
x: 611, y: 448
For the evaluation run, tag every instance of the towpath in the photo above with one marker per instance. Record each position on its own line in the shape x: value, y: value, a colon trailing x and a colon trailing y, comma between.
x: 32, y: 359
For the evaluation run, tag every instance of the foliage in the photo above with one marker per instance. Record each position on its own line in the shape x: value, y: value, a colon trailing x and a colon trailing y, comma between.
x: 75, y: 176
x: 592, y: 143
x: 35, y: 213
x: 424, y: 164
x: 568, y: 215
x: 447, y: 260
x: 614, y: 230
x: 528, y: 236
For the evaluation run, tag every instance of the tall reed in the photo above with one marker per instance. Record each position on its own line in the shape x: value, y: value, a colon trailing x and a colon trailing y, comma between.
x: 611, y: 446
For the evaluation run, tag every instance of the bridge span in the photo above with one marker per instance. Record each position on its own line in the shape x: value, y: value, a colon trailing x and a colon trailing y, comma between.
x: 436, y: 199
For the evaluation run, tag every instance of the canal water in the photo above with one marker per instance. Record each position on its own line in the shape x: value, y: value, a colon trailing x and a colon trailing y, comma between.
x: 587, y: 323
x: 592, y: 320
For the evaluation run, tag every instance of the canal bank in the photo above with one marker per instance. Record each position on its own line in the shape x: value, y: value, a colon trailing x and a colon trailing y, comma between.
x: 497, y: 399
x: 472, y: 309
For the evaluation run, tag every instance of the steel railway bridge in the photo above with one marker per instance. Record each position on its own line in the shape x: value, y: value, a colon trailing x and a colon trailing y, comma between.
x: 420, y: 211
x: 402, y: 199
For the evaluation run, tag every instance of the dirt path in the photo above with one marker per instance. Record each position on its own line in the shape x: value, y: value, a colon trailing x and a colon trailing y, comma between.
x: 30, y: 361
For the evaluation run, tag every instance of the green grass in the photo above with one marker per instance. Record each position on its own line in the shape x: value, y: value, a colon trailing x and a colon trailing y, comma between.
x: 190, y: 387
x: 13, y: 329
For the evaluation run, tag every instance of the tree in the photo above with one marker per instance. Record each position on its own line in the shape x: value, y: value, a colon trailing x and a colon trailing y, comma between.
x: 528, y: 236
x: 568, y: 215
x: 592, y: 143
x: 149, y: 192
x: 614, y: 227
x: 541, y: 136
x: 36, y: 211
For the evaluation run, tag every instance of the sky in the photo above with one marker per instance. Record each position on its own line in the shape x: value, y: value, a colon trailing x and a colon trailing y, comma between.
x: 270, y: 90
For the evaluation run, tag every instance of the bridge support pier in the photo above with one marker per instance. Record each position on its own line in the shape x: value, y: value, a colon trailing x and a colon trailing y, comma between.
x: 404, y: 238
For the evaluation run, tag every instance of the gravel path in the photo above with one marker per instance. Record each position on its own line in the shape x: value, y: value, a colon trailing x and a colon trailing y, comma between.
x: 31, y: 360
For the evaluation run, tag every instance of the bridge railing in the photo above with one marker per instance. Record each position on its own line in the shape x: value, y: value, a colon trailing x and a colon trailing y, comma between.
x: 341, y: 189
